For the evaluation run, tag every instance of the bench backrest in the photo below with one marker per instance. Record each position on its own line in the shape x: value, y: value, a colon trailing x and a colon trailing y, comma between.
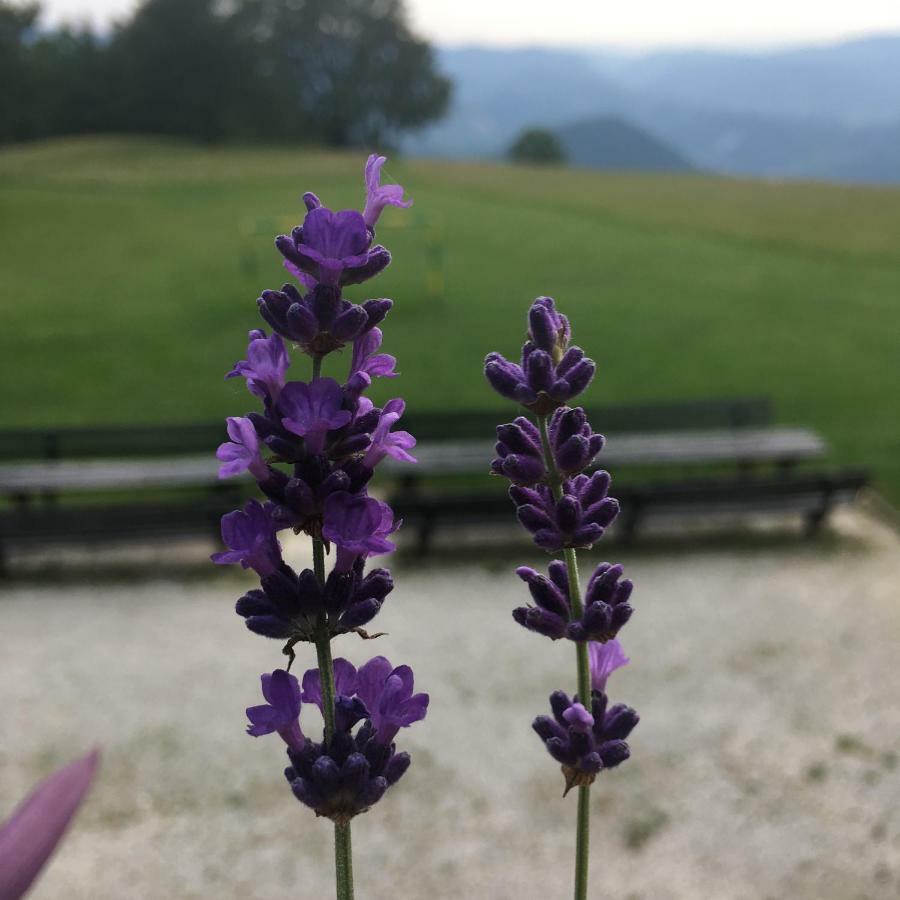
x: 683, y: 415
x: 112, y: 441
x: 181, y: 439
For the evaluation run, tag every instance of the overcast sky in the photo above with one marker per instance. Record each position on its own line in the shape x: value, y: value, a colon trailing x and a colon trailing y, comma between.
x: 632, y: 24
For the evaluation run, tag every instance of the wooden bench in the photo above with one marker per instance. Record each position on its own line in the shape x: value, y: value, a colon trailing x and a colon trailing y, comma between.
x: 112, y: 483
x: 688, y: 458
x: 121, y: 482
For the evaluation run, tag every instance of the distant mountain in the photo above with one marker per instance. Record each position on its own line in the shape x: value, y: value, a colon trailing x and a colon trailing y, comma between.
x: 819, y: 112
x: 855, y: 83
x: 498, y: 92
x: 610, y: 142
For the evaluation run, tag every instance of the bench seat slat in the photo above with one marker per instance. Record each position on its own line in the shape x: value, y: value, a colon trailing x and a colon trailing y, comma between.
x: 458, y: 457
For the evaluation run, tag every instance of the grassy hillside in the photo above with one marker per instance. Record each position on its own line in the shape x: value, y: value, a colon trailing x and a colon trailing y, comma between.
x: 130, y: 271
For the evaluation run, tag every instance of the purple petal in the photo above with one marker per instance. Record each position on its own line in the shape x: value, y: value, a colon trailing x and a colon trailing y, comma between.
x: 30, y: 835
x: 604, y: 660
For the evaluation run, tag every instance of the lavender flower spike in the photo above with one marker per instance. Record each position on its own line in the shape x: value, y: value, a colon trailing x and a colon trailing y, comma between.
x: 313, y: 448
x: 281, y: 712
x: 30, y: 835
x: 377, y: 195
x: 565, y: 509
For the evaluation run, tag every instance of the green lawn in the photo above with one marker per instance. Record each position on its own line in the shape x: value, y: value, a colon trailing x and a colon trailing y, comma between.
x: 130, y: 271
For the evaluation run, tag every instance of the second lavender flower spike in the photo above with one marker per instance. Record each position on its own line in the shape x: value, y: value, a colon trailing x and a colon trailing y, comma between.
x: 565, y: 505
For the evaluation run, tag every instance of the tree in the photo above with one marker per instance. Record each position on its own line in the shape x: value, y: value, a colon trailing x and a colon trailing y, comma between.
x: 177, y: 70
x: 536, y: 145
x: 338, y: 72
x: 17, y: 112
x: 344, y: 72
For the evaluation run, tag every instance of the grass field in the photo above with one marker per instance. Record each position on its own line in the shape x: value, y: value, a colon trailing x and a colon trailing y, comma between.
x: 130, y: 271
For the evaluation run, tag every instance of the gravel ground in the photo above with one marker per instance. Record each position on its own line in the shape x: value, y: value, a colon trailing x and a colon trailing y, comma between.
x: 767, y: 764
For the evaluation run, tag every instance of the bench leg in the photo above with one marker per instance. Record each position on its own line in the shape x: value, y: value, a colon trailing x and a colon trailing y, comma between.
x: 816, y: 519
x: 630, y: 523
x: 426, y: 532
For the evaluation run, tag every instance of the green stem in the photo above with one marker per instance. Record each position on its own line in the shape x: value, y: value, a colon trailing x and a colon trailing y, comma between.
x: 583, y: 827
x: 581, y: 648
x: 343, y: 851
x: 343, y: 861
x: 582, y: 842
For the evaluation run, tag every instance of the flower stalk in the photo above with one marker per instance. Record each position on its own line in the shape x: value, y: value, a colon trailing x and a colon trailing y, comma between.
x: 343, y: 845
x: 566, y: 509
x: 313, y: 449
x: 583, y: 673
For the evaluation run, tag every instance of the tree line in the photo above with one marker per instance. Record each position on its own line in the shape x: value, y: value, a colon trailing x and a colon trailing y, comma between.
x: 336, y: 72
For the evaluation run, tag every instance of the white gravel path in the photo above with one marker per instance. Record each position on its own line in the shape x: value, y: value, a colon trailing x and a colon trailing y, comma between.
x: 767, y: 763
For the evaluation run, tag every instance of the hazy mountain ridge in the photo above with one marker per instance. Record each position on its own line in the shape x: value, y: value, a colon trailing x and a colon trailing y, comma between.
x: 610, y: 142
x: 829, y: 112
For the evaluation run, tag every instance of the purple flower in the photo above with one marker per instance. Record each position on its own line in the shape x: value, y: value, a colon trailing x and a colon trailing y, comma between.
x: 298, y: 501
x: 604, y: 660
x: 358, y: 526
x: 241, y: 453
x: 573, y: 442
x: 388, y: 443
x: 312, y: 410
x: 334, y: 247
x: 249, y: 535
x: 352, y: 599
x: 365, y: 359
x: 377, y: 195
x: 306, y: 280
x: 577, y: 520
x: 546, y: 378
x: 606, y: 607
x: 281, y: 712
x: 388, y: 695
x: 265, y: 366
x: 550, y: 616
x: 30, y: 835
x: 351, y: 773
x: 321, y: 320
x: 548, y: 329
x: 520, y: 456
x: 585, y: 743
x: 344, y: 682
x: 578, y: 718
x: 288, y: 606
x: 537, y: 383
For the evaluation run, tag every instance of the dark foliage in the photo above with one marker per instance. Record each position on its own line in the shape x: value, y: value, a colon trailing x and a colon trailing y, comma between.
x: 338, y: 72
x: 536, y: 145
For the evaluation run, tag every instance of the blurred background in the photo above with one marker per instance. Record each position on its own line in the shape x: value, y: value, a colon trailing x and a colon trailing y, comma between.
x: 711, y: 194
